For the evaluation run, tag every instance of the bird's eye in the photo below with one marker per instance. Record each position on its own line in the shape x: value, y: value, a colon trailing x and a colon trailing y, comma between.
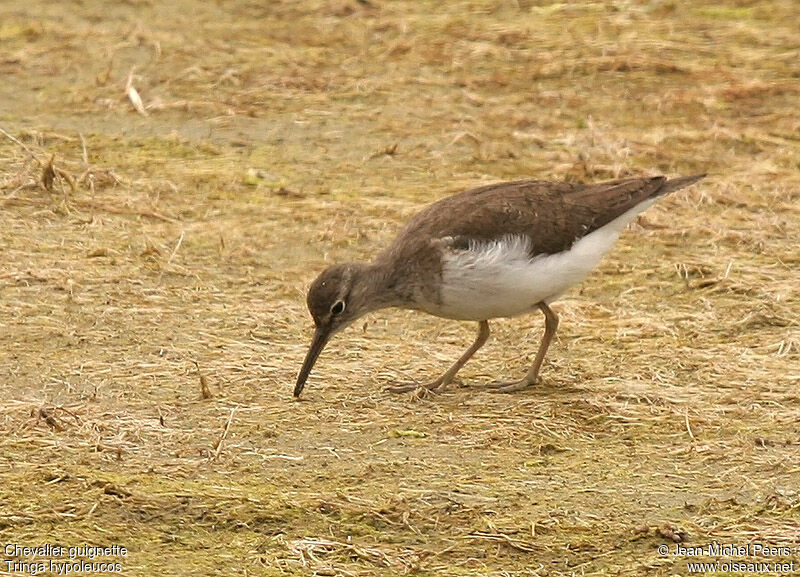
x: 337, y: 308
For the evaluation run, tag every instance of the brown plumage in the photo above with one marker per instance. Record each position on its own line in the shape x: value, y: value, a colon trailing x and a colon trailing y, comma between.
x: 547, y: 217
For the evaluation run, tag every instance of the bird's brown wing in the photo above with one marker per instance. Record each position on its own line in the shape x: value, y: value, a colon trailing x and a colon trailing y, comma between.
x: 552, y: 214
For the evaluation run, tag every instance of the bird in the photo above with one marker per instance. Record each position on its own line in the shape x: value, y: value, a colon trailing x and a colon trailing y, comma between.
x: 495, y: 251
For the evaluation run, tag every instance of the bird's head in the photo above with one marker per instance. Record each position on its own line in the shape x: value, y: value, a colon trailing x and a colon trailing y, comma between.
x: 338, y: 296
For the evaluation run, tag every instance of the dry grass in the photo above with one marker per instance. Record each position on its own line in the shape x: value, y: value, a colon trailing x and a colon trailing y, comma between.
x: 156, y: 249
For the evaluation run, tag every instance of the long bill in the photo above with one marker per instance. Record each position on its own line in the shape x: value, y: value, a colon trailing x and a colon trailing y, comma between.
x: 321, y: 336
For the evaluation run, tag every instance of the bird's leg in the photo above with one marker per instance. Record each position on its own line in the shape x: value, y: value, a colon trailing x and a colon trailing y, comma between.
x: 480, y: 340
x: 440, y: 383
x: 550, y: 326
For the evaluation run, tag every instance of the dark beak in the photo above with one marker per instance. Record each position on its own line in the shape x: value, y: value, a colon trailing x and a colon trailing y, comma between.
x: 321, y: 336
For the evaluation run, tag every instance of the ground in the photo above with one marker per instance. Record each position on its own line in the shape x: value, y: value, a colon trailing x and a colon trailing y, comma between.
x: 174, y: 175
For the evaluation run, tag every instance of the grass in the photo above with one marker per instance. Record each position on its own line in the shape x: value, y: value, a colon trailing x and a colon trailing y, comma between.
x: 154, y: 258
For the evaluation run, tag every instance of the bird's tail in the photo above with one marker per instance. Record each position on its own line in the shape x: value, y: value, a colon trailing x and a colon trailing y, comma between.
x: 677, y: 183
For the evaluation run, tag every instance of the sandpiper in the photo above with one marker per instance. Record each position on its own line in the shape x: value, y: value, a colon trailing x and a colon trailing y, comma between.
x: 496, y: 251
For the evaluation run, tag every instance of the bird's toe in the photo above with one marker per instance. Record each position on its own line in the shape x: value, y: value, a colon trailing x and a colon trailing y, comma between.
x: 419, y: 390
x: 510, y: 387
x: 406, y: 388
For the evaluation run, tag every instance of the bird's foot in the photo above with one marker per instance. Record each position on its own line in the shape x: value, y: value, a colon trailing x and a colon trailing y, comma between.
x: 420, y: 391
x: 513, y: 386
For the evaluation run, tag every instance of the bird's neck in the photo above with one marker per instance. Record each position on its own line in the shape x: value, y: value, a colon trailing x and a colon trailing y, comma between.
x: 375, y: 285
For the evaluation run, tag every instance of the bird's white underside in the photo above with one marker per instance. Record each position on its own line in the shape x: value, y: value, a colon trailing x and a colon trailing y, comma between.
x: 498, y: 278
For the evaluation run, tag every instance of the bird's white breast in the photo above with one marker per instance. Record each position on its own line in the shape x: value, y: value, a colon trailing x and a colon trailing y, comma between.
x: 498, y: 278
